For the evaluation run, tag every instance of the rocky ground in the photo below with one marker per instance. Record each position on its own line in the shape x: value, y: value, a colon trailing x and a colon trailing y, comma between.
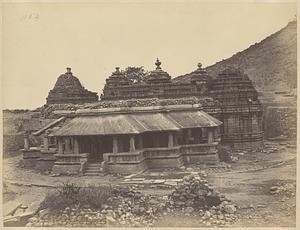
x: 259, y: 188
x: 126, y: 206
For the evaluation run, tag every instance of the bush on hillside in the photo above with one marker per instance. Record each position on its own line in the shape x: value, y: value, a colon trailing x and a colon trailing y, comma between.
x: 71, y: 195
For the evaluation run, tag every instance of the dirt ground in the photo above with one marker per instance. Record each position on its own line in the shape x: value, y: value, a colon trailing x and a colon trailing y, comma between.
x: 247, y: 183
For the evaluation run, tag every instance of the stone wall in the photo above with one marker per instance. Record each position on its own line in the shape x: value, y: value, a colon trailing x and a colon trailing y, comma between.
x: 280, y: 121
x: 66, y: 169
x: 165, y: 90
x: 155, y: 158
x: 12, y: 142
x: 241, y: 111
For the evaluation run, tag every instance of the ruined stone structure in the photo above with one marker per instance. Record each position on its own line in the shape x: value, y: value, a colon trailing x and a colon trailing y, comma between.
x: 238, y: 106
x: 157, y: 85
x: 241, y: 111
x: 152, y: 124
x: 68, y: 89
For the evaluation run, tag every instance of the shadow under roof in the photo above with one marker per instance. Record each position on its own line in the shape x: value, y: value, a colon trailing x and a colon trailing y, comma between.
x: 118, y: 124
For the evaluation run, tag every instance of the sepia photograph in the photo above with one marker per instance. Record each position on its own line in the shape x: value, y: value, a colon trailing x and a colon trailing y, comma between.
x: 149, y: 114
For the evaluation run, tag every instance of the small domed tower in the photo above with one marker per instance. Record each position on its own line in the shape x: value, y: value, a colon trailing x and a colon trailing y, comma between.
x: 199, y: 76
x: 117, y: 78
x: 158, y: 75
x: 68, y: 90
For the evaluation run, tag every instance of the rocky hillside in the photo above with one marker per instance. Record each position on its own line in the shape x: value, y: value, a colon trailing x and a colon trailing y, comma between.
x: 271, y: 64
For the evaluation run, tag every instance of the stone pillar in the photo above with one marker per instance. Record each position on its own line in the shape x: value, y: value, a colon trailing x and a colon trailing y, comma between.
x: 171, y: 140
x: 140, y: 141
x: 46, y: 142
x: 76, y: 146
x: 191, y: 139
x: 198, y: 134
x: 210, y: 135
x: 68, y: 145
x: 132, y: 144
x: 189, y: 133
x: 214, y: 133
x: 60, y: 145
x: 115, y: 145
x: 218, y: 134
x: 156, y: 141
x: 26, y: 141
x: 175, y: 139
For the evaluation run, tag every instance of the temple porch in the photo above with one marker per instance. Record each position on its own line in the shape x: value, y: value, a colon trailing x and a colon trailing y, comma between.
x: 135, y: 153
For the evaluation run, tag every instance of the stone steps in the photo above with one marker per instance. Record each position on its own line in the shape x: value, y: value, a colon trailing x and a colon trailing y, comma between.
x: 92, y: 169
x: 92, y: 174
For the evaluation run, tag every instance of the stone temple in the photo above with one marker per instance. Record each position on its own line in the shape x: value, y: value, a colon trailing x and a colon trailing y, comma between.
x: 156, y: 123
x: 68, y: 89
x: 236, y: 101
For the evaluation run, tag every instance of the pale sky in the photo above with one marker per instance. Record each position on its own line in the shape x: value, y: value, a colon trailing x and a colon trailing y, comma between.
x: 41, y: 39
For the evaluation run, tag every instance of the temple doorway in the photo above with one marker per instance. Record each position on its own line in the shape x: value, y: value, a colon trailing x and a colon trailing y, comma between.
x: 95, y: 146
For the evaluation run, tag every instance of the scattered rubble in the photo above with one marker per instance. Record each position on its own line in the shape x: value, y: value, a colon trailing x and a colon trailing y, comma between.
x: 286, y: 189
x: 234, y: 159
x: 126, y: 207
x: 131, y: 208
x: 194, y: 196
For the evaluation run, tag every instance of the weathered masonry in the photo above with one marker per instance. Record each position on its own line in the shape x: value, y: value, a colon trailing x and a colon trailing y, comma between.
x: 156, y: 123
x: 68, y: 89
x: 241, y: 111
x: 237, y: 104
x: 157, y: 85
x: 129, y: 140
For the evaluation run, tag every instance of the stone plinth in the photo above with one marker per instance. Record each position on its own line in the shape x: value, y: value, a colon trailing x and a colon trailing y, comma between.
x: 125, y: 162
x: 67, y: 169
x: 200, y: 153
x: 30, y: 157
x: 69, y: 164
x: 44, y: 164
x: 163, y: 157
x: 46, y: 160
x: 127, y: 168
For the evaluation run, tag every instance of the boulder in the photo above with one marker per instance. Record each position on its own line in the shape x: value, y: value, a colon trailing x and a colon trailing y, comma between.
x: 230, y: 208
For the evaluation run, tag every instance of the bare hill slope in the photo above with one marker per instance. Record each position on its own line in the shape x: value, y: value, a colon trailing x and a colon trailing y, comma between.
x: 271, y: 64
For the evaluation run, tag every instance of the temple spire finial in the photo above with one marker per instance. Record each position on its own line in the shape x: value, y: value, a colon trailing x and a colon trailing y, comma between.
x: 199, y: 65
x: 157, y: 63
x: 69, y: 70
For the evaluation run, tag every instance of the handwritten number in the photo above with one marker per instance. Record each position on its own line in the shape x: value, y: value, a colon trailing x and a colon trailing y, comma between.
x: 30, y: 17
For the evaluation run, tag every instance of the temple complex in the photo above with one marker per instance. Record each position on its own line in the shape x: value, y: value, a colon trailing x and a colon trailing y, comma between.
x: 68, y: 89
x: 155, y: 123
x: 236, y: 103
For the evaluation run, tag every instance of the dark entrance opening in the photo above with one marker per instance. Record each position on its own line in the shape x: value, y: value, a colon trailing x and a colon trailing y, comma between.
x: 155, y: 139
x: 95, y: 146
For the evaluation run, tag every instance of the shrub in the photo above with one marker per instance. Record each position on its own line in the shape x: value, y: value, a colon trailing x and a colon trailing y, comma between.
x: 54, y: 202
x: 94, y: 196
x: 69, y: 191
x: 71, y: 195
